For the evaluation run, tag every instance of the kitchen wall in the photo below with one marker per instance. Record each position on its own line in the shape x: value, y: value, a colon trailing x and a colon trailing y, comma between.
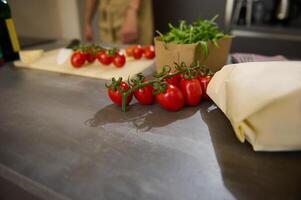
x: 64, y: 18
x: 46, y: 18
x: 174, y: 10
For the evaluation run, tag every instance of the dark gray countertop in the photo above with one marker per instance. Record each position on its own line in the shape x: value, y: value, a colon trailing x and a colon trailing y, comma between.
x: 61, y: 138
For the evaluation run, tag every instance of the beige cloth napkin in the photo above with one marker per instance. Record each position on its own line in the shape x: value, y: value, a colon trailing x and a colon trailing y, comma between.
x: 262, y: 101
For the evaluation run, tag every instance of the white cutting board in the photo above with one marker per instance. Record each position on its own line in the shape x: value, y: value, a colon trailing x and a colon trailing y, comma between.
x: 96, y: 70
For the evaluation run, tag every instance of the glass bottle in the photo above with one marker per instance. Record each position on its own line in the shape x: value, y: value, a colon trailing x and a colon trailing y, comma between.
x: 9, y: 43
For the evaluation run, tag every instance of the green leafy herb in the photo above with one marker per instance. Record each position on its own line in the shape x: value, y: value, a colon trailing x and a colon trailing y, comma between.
x: 201, y: 32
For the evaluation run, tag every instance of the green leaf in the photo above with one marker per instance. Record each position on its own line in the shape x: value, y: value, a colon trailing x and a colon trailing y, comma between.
x: 159, y: 33
x: 214, y: 18
x: 200, y: 31
x: 215, y: 43
x: 204, y: 47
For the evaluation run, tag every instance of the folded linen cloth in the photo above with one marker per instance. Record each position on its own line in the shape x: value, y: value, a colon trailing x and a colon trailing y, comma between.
x: 262, y: 101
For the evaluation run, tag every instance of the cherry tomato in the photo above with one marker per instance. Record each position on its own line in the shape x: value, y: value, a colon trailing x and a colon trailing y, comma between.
x: 130, y: 50
x: 77, y: 59
x: 116, y: 96
x: 89, y: 56
x: 105, y: 58
x: 174, y: 80
x: 204, y: 81
x: 137, y: 52
x: 172, y: 99
x: 99, y: 54
x: 149, y: 52
x: 145, y: 95
x: 119, y: 60
x: 192, y: 91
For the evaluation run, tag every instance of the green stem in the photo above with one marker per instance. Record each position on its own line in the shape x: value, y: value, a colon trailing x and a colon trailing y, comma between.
x: 124, y: 101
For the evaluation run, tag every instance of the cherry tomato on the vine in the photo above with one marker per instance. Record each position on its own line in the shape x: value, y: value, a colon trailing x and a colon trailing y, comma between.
x: 105, y: 57
x: 172, y: 99
x: 192, y: 91
x: 130, y: 50
x: 145, y: 95
x: 149, y: 52
x: 204, y: 81
x: 116, y: 96
x: 90, y: 56
x: 77, y: 59
x: 99, y: 54
x: 174, y: 80
x: 137, y: 52
x: 119, y: 60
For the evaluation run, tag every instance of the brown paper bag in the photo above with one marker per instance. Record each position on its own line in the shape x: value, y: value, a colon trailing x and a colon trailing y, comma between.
x: 168, y: 53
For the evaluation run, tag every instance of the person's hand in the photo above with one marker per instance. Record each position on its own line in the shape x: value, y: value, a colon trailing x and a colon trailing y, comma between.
x: 88, y: 32
x: 129, y: 29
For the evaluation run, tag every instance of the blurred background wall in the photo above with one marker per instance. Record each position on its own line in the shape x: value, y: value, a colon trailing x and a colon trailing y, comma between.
x: 64, y: 18
x: 46, y: 18
x: 172, y: 11
x: 264, y: 35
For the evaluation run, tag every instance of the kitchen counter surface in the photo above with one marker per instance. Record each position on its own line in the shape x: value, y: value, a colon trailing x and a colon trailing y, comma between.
x: 61, y: 138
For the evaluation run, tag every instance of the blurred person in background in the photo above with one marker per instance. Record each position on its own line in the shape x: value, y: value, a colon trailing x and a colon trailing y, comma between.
x: 121, y: 21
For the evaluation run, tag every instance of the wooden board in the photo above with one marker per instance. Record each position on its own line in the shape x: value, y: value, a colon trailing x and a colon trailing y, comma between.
x: 96, y: 70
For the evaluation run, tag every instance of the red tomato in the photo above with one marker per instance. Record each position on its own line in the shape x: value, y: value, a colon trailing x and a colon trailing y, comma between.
x: 204, y: 81
x: 77, y: 59
x: 130, y: 50
x: 149, y: 52
x: 105, y: 58
x: 172, y: 99
x: 192, y: 91
x: 99, y: 55
x: 119, y: 60
x: 137, y: 52
x: 145, y: 95
x: 90, y: 57
x: 174, y: 80
x: 116, y: 96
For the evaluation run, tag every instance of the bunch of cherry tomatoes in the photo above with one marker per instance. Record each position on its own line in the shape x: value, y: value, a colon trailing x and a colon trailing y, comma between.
x: 137, y: 51
x: 171, y: 90
x: 88, y: 54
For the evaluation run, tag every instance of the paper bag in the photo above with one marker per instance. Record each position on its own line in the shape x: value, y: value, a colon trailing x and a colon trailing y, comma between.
x: 169, y: 53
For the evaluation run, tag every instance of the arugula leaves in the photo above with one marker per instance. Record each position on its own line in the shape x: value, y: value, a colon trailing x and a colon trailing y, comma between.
x: 200, y: 31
